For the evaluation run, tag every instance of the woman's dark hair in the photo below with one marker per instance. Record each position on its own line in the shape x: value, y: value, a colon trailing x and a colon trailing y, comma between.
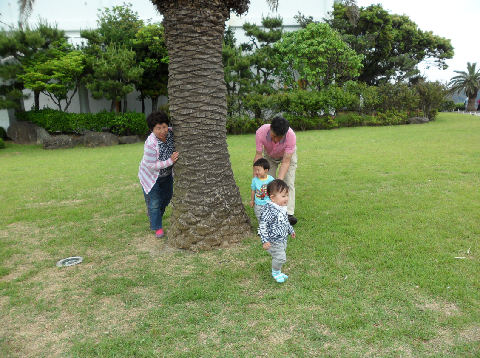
x: 279, y: 126
x: 276, y: 186
x: 262, y: 162
x: 156, y: 117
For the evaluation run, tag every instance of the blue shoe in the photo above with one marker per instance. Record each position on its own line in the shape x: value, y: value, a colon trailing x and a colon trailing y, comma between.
x: 279, y: 276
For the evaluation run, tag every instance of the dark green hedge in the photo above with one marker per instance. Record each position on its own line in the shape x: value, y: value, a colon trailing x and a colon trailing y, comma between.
x: 130, y: 123
x: 239, y: 125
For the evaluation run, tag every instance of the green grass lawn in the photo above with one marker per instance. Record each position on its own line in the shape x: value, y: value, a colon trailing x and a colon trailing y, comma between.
x: 385, y: 263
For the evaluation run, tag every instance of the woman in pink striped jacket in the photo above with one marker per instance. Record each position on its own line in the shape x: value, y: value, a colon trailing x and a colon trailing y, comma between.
x: 155, y: 172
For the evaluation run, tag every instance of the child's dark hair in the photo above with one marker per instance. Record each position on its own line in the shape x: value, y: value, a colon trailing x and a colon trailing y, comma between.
x: 262, y: 162
x: 279, y: 126
x: 276, y: 186
x: 157, y: 117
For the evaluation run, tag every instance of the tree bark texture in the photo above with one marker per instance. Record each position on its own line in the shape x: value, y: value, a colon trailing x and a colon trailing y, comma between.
x: 471, y: 104
x: 207, y: 209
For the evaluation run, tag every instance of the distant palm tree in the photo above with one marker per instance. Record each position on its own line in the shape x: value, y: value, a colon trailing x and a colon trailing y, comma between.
x: 25, y: 10
x: 468, y: 82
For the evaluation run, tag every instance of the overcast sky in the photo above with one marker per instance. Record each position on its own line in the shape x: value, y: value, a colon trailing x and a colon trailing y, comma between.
x: 457, y: 20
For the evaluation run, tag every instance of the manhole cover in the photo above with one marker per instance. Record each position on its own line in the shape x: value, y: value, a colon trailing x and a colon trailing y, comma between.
x: 70, y: 261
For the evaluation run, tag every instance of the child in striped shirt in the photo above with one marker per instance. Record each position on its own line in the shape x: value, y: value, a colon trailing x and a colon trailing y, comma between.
x: 275, y: 227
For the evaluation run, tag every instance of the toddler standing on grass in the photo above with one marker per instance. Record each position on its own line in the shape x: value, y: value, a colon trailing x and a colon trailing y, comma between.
x: 275, y: 227
x: 259, y: 187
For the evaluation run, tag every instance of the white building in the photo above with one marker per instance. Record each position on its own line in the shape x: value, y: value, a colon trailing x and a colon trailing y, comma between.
x: 73, y: 16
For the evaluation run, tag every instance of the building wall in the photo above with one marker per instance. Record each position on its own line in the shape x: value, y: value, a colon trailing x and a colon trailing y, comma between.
x: 73, y: 16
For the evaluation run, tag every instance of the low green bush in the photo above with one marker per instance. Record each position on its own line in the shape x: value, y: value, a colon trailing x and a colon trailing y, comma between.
x: 304, y: 123
x: 459, y: 106
x: 448, y: 105
x: 329, y: 122
x: 129, y: 123
x: 2, y: 143
x: 392, y: 117
x: 353, y: 120
x: 242, y: 124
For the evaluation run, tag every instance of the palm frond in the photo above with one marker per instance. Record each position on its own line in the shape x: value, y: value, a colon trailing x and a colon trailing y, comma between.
x: 273, y: 4
x: 466, y: 81
x: 26, y: 7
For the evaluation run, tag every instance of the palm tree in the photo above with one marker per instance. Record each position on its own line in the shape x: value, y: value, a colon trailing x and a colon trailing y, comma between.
x: 468, y: 82
x: 207, y: 207
x: 25, y: 11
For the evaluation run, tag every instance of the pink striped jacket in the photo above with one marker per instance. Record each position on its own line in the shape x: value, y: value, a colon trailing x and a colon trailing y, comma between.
x: 150, y: 165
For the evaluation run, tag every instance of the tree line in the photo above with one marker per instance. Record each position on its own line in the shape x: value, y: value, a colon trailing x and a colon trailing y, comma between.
x: 125, y: 54
x: 374, y: 49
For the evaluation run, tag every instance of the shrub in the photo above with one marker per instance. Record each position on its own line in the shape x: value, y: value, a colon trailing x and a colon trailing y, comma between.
x: 93, y: 122
x: 366, y: 98
x: 49, y: 119
x: 398, y: 96
x: 448, y: 105
x: 242, y: 124
x: 3, y: 133
x: 354, y: 120
x: 431, y: 97
x: 329, y: 122
x: 2, y: 143
x: 257, y: 104
x: 304, y: 123
x: 129, y: 123
x: 58, y: 121
x: 459, y: 106
x: 391, y: 117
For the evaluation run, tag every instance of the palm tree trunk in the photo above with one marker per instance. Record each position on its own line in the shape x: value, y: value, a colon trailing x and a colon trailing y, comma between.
x: 471, y: 105
x: 207, y: 207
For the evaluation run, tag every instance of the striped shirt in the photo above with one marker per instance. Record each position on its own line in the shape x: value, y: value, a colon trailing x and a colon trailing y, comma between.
x: 274, y: 224
x: 156, y: 160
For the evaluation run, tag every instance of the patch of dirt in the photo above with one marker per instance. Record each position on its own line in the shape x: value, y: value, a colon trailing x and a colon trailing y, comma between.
x: 471, y: 334
x: 445, y: 308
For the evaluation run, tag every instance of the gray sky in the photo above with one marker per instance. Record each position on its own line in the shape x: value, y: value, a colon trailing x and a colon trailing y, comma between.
x: 455, y: 20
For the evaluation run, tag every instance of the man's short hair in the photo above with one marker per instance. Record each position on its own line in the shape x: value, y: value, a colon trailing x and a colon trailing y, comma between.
x: 262, y: 162
x: 276, y: 186
x: 157, y: 117
x: 279, y: 126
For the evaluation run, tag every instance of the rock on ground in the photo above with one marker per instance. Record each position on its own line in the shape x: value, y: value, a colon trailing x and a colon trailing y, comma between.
x: 97, y: 139
x: 24, y: 132
x: 59, y: 142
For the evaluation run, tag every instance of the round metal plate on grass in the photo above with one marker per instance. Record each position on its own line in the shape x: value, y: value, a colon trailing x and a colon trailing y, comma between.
x: 70, y: 261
